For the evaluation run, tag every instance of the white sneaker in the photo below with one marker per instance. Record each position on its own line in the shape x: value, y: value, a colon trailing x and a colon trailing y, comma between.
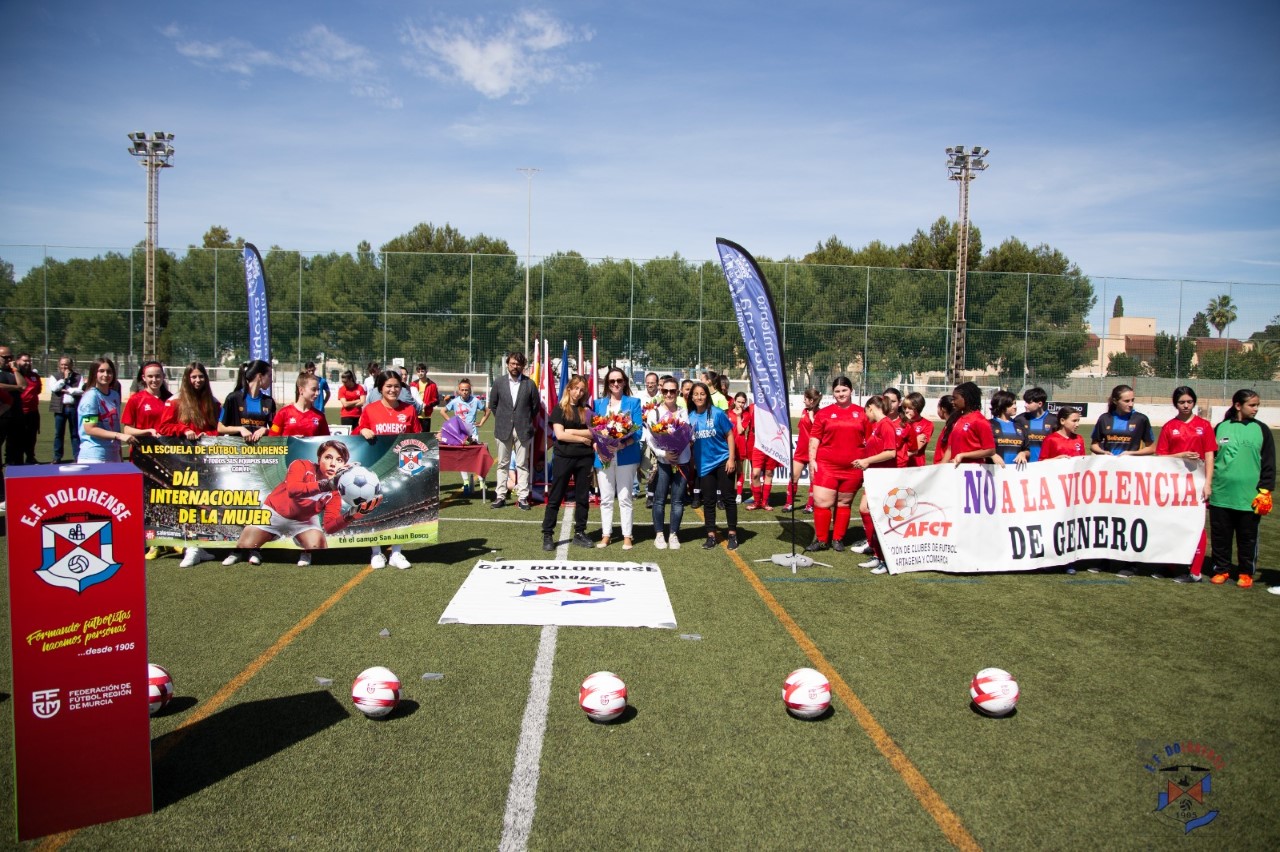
x: 660, y: 541
x: 674, y: 544
x: 232, y: 559
x: 880, y: 569
x: 873, y: 562
x: 304, y: 559
x: 863, y: 547
x: 377, y: 561
x: 255, y: 557
x: 398, y: 560
x: 1274, y: 590
x: 193, y: 556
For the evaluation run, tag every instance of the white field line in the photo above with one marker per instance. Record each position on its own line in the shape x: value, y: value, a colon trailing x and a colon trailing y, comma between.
x: 522, y: 794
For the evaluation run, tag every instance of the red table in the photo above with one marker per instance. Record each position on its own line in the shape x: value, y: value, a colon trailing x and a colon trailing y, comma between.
x: 470, y: 458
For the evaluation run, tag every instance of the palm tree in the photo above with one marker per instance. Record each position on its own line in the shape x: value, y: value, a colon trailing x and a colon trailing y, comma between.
x: 1222, y: 312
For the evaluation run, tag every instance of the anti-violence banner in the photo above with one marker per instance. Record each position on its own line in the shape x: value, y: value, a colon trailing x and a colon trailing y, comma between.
x: 985, y: 518
x: 312, y: 493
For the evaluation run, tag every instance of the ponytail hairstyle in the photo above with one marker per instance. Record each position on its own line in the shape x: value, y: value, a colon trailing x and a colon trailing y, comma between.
x: 1238, y: 399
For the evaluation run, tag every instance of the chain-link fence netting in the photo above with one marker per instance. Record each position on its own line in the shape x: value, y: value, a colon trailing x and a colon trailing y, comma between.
x: 460, y: 313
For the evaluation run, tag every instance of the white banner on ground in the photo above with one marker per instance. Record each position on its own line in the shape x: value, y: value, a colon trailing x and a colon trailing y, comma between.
x: 983, y: 518
x: 568, y: 593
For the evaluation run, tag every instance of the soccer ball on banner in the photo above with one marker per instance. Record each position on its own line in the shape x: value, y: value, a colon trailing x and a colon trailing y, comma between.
x: 806, y: 693
x: 900, y: 504
x: 376, y: 692
x: 358, y: 485
x: 603, y: 696
x: 994, y: 692
x: 159, y: 687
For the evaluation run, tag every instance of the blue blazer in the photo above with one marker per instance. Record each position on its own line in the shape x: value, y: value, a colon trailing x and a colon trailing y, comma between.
x: 630, y: 406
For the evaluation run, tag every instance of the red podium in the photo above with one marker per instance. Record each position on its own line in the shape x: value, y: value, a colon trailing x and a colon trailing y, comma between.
x: 78, y: 616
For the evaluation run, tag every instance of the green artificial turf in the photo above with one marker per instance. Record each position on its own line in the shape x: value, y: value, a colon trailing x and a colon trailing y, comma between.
x: 1109, y: 669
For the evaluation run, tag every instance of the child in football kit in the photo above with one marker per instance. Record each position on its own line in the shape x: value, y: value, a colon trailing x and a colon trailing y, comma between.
x: 1243, y: 478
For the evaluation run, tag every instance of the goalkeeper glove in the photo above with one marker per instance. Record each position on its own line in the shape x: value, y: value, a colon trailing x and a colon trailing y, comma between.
x: 1262, y: 503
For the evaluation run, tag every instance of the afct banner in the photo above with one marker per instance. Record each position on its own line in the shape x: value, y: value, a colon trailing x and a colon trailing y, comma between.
x: 312, y: 493
x: 984, y: 518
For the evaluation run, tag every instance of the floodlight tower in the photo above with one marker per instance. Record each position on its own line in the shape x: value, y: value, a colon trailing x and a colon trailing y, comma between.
x: 961, y: 167
x: 529, y: 172
x: 153, y: 154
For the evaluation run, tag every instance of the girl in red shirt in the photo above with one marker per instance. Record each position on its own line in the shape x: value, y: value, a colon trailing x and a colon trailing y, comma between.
x: 350, y: 400
x: 1063, y: 441
x: 387, y: 416
x: 145, y: 409
x: 194, y: 412
x: 1190, y: 437
x: 945, y: 409
x: 812, y: 399
x: 301, y: 419
x: 882, y: 451
x: 919, y: 431
x: 969, y: 435
x: 742, y: 416
x: 837, y: 439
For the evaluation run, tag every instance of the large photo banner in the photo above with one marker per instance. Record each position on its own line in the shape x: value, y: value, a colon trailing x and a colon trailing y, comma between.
x: 338, y: 490
x: 985, y: 518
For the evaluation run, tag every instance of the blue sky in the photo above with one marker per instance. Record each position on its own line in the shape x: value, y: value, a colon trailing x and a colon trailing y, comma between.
x: 1139, y: 138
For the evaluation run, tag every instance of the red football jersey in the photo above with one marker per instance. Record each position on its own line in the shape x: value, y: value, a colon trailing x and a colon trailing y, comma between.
x: 842, y: 434
x: 1056, y: 444
x: 357, y: 392
x: 971, y: 432
x: 292, y: 423
x: 299, y: 497
x: 916, y: 429
x: 1196, y: 436
x: 388, y: 421
x: 884, y: 436
x: 144, y: 410
x: 802, y: 443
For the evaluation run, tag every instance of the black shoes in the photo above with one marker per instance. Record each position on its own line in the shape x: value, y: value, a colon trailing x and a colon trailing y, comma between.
x: 815, y: 546
x: 581, y: 540
x: 499, y: 503
x: 733, y: 541
x: 524, y: 505
x: 709, y: 543
x: 837, y: 545
x: 548, y: 543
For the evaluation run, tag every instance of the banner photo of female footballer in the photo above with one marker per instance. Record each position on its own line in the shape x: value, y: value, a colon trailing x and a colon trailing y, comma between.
x: 292, y: 493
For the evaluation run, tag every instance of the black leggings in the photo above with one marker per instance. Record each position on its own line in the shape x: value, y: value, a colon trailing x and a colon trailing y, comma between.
x: 719, y: 479
x: 562, y: 467
x: 1228, y: 526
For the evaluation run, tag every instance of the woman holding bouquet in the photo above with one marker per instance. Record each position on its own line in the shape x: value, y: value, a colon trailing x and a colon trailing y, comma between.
x: 666, y: 430
x: 617, y: 460
x: 571, y: 423
x: 717, y: 460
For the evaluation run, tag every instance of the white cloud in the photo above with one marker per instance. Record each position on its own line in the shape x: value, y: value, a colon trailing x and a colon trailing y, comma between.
x: 318, y: 54
x: 514, y: 58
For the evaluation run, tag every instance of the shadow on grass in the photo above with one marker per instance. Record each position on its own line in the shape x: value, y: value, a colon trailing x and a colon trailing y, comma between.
x: 464, y: 551
x: 190, y: 759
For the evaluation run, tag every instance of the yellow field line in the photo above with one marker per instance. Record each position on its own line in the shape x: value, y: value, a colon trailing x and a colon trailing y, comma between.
x: 952, y: 828
x: 56, y: 841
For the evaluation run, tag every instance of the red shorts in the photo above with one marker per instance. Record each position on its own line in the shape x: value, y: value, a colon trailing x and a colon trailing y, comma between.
x: 759, y: 461
x: 846, y: 480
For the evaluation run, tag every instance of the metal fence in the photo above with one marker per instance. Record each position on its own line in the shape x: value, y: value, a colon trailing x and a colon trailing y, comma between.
x: 461, y: 313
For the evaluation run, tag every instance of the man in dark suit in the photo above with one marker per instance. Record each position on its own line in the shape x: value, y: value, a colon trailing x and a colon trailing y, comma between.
x: 513, y: 399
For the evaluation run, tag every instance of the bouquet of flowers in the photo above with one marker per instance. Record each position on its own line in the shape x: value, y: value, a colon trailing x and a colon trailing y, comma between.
x: 608, y: 432
x: 646, y: 407
x: 671, y: 434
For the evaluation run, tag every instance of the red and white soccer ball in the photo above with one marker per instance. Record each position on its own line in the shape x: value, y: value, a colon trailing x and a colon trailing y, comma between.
x: 603, y: 696
x: 900, y: 504
x: 994, y: 692
x: 807, y: 693
x: 159, y: 687
x: 376, y: 692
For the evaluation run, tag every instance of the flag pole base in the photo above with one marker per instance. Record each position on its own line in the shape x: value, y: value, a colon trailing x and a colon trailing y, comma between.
x: 794, y: 561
